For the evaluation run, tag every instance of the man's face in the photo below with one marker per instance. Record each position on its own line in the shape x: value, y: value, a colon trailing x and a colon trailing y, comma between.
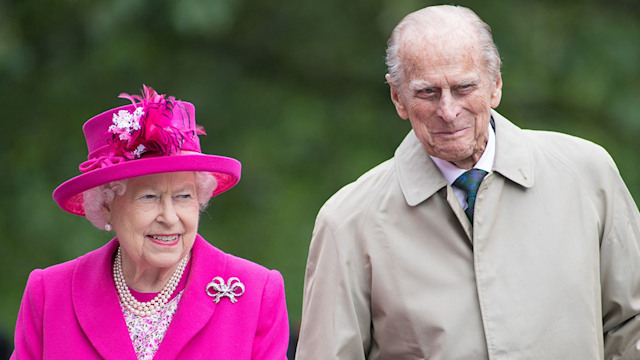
x: 447, y: 96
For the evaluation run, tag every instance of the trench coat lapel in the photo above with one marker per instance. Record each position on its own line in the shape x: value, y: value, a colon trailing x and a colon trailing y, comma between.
x: 513, y: 158
x: 195, y: 308
x: 96, y: 304
x: 420, y: 179
x: 418, y: 175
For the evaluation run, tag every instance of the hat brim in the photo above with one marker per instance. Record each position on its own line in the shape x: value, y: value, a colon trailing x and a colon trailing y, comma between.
x: 226, y: 170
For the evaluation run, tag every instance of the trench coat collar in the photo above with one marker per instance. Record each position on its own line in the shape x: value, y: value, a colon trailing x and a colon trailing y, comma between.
x: 418, y: 175
x: 420, y: 178
x: 513, y: 157
x: 98, y: 311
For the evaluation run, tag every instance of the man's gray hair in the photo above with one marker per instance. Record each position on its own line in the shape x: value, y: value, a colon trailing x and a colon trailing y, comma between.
x: 433, y: 16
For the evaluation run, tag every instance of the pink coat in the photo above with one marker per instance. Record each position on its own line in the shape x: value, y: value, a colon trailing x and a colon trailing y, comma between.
x: 72, y: 311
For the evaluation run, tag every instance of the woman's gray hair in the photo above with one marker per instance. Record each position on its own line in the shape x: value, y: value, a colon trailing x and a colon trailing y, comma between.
x: 95, y: 199
x: 435, y: 16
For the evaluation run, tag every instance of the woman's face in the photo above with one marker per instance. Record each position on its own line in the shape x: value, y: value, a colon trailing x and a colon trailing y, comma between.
x: 156, y: 219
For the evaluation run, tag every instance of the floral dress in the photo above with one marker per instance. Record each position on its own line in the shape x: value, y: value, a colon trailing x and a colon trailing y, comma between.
x: 147, y: 332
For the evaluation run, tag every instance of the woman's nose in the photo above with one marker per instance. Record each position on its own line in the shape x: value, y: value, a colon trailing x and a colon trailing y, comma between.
x: 168, y: 214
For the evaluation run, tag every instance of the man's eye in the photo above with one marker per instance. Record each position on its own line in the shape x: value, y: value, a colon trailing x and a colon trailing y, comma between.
x: 426, y: 93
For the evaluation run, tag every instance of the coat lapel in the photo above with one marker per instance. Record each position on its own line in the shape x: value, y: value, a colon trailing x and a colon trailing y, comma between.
x: 196, y: 308
x: 513, y: 158
x: 96, y: 304
x: 418, y: 175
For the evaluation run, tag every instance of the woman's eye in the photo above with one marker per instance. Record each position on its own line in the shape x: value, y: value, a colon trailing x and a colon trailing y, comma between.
x: 184, y: 196
x: 148, y: 197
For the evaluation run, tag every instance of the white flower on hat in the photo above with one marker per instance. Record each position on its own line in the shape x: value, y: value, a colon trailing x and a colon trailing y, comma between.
x: 139, y: 151
x: 125, y: 123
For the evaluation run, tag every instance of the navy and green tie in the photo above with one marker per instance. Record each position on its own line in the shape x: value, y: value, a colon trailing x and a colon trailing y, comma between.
x: 470, y: 183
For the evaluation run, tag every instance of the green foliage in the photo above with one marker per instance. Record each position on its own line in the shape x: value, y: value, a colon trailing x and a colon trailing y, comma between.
x: 293, y: 89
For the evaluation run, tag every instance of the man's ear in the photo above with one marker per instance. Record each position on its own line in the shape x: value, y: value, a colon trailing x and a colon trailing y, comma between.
x: 496, y: 94
x: 397, y: 99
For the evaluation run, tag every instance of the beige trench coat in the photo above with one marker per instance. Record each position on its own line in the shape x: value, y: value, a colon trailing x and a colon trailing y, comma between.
x: 550, y: 269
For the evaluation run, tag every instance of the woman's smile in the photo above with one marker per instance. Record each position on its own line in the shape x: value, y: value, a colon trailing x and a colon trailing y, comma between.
x: 165, y: 240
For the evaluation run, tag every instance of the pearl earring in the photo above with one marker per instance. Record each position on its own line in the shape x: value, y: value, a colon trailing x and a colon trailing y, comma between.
x: 108, y: 227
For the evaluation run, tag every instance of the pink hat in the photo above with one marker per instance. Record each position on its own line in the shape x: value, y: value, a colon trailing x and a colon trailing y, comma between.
x: 156, y: 135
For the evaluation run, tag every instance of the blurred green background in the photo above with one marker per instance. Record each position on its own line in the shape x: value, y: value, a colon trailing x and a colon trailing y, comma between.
x: 292, y: 88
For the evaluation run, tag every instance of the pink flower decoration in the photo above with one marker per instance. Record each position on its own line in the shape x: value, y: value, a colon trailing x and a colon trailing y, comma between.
x: 151, y: 128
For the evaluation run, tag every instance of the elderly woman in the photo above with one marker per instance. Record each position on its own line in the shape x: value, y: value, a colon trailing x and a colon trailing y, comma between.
x: 158, y: 290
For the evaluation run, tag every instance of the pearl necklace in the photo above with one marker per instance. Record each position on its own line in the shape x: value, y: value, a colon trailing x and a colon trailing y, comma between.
x: 149, y: 307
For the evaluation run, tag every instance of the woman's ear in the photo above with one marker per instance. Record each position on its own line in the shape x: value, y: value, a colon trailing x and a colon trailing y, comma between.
x: 106, y: 212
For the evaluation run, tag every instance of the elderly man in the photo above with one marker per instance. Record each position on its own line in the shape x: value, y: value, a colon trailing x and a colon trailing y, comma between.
x: 418, y: 259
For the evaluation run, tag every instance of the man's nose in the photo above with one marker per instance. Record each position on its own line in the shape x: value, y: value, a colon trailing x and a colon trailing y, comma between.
x: 448, y: 108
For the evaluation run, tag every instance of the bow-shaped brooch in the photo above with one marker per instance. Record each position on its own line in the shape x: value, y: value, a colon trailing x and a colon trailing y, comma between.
x: 232, y: 289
